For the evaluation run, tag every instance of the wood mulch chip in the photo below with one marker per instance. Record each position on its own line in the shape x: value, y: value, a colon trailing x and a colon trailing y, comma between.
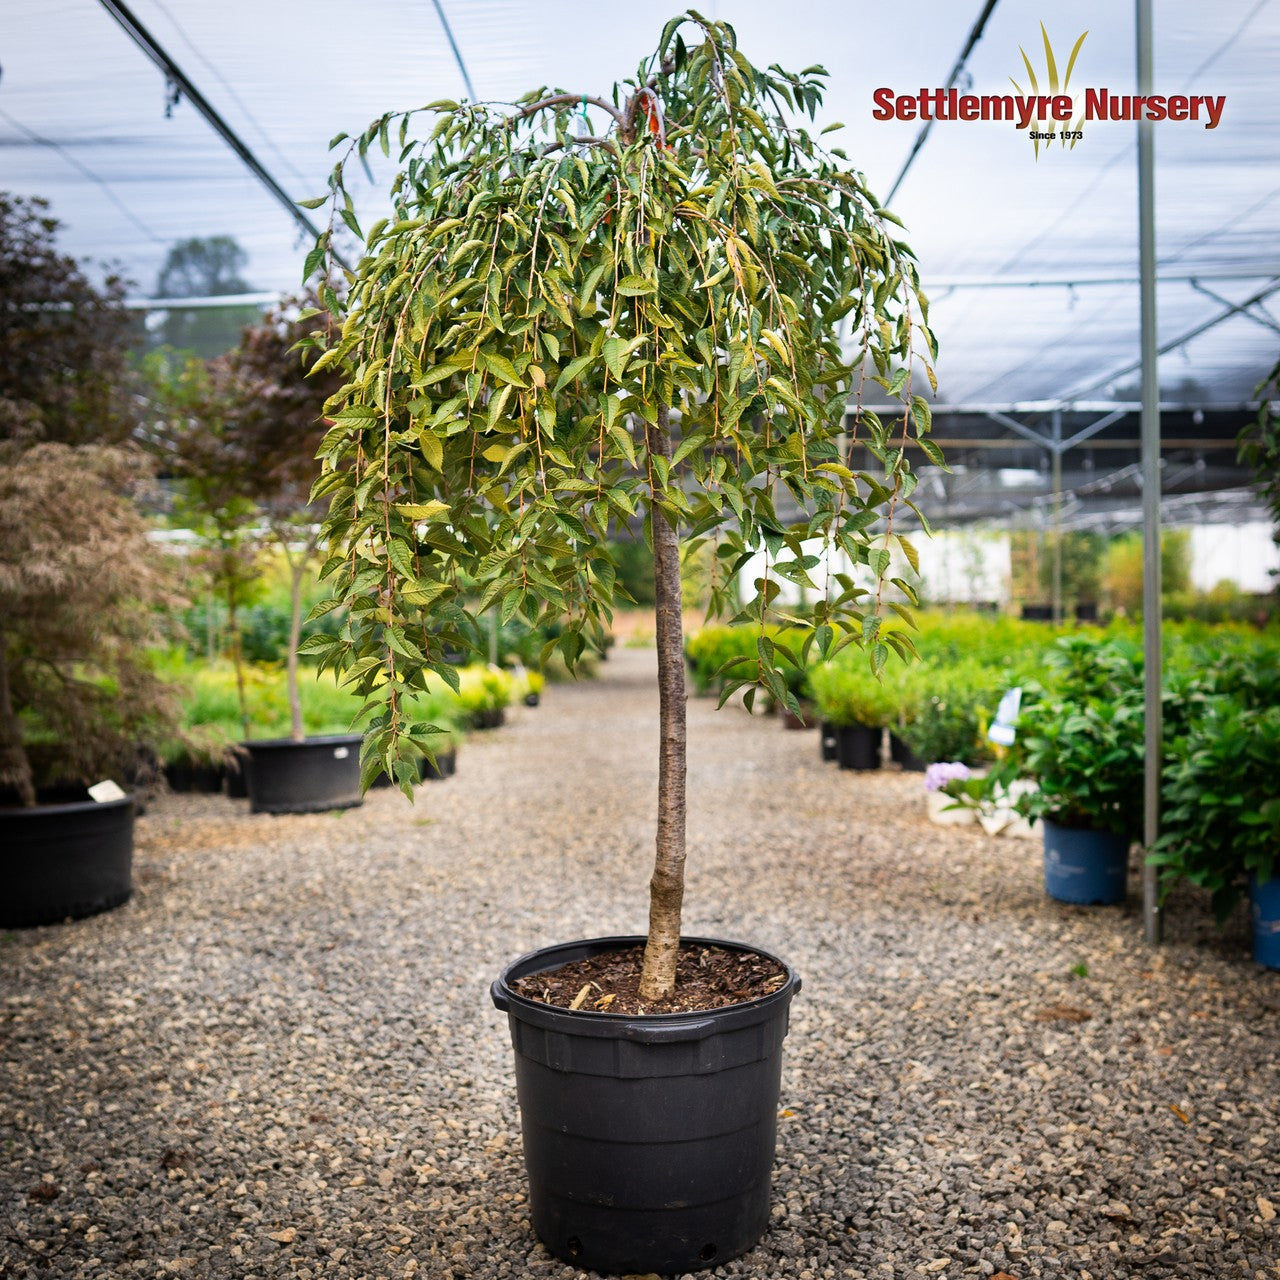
x: 706, y: 978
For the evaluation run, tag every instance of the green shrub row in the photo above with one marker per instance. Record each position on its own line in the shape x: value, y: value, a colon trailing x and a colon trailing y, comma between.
x: 211, y: 703
x: 1081, y: 728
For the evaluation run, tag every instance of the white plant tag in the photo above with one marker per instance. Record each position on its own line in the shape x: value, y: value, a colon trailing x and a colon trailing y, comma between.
x: 104, y: 792
x: 340, y: 753
x: 1002, y: 731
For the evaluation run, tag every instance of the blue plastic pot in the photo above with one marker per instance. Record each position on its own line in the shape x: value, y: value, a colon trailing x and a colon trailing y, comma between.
x: 1264, y: 901
x: 1085, y: 867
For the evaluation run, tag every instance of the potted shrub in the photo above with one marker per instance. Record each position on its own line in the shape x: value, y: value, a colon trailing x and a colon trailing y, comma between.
x: 1221, y: 815
x: 859, y: 704
x: 246, y: 443
x: 484, y: 694
x: 1083, y: 746
x: 533, y: 683
x: 944, y: 710
x: 568, y: 325
x: 80, y: 588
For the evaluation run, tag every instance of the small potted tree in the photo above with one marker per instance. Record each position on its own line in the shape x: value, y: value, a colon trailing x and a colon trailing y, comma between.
x: 586, y: 310
x: 275, y: 425
x: 79, y: 591
x: 79, y: 584
x: 241, y: 433
x: 191, y: 410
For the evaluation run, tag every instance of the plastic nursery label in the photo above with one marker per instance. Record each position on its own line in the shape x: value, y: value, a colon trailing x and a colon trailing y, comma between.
x: 103, y: 792
x: 340, y: 753
x: 1002, y: 731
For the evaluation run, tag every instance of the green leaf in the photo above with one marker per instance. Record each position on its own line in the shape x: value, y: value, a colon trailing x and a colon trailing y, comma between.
x: 503, y: 368
x: 432, y: 510
x: 497, y: 404
x: 571, y: 371
x: 615, y: 356
x: 635, y: 286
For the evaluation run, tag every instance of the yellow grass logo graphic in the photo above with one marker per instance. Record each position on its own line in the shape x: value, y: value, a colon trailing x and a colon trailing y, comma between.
x: 1068, y: 131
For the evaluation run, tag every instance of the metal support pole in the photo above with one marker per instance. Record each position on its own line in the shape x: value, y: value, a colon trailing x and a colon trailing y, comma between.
x: 1151, y: 592
x: 1057, y: 517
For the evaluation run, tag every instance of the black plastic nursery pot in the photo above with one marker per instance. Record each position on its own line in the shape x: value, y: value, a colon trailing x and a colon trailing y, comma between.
x: 858, y: 746
x: 902, y: 754
x: 64, y: 861
x: 186, y: 776
x: 648, y: 1140
x: 311, y: 776
x: 829, y: 744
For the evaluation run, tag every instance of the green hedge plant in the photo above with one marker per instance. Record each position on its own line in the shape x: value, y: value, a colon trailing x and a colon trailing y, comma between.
x: 1221, y: 812
x: 849, y: 693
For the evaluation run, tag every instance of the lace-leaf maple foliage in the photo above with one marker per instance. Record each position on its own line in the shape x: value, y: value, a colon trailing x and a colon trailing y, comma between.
x: 567, y: 327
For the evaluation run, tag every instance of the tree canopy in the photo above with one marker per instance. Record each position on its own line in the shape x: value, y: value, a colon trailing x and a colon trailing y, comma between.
x: 663, y: 301
x: 64, y: 340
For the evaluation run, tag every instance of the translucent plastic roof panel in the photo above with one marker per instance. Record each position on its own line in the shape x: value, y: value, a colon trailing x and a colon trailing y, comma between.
x: 1032, y: 262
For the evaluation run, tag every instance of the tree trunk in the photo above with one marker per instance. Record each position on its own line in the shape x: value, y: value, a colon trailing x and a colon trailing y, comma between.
x: 237, y: 655
x: 666, y: 888
x: 14, y: 764
x: 296, y: 569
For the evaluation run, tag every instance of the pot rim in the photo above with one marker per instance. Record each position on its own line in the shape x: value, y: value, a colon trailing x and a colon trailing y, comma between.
x: 314, y: 740
x: 504, y: 995
x: 65, y: 807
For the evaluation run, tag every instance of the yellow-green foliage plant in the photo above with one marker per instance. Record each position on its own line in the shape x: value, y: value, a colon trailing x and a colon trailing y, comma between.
x: 565, y: 326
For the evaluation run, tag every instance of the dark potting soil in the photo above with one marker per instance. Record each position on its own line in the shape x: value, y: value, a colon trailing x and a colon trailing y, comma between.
x: 706, y: 978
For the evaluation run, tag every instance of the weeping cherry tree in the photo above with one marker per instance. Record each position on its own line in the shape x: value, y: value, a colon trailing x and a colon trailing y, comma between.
x: 663, y: 304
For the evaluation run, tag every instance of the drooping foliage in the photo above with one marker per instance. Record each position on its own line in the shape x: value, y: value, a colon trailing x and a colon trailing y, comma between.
x: 561, y: 276
x: 80, y: 597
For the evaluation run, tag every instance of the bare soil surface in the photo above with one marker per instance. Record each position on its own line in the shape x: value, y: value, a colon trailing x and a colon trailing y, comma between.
x: 706, y: 978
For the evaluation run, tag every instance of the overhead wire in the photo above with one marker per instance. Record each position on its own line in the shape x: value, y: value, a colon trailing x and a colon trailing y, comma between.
x: 281, y: 156
x: 178, y: 78
x: 81, y: 167
x: 974, y: 36
x: 457, y: 53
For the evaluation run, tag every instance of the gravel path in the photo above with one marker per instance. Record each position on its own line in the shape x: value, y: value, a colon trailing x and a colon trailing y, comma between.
x: 280, y: 1059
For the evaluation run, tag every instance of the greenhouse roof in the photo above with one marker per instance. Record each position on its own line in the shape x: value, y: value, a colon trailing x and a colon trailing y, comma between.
x: 1029, y: 255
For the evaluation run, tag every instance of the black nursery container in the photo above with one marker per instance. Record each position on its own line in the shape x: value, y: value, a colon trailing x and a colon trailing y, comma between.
x: 830, y: 746
x: 64, y: 861
x: 858, y: 746
x: 902, y: 754
x: 312, y: 776
x: 648, y: 1140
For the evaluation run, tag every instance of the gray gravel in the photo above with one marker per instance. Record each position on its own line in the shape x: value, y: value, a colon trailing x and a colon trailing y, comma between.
x: 280, y: 1059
